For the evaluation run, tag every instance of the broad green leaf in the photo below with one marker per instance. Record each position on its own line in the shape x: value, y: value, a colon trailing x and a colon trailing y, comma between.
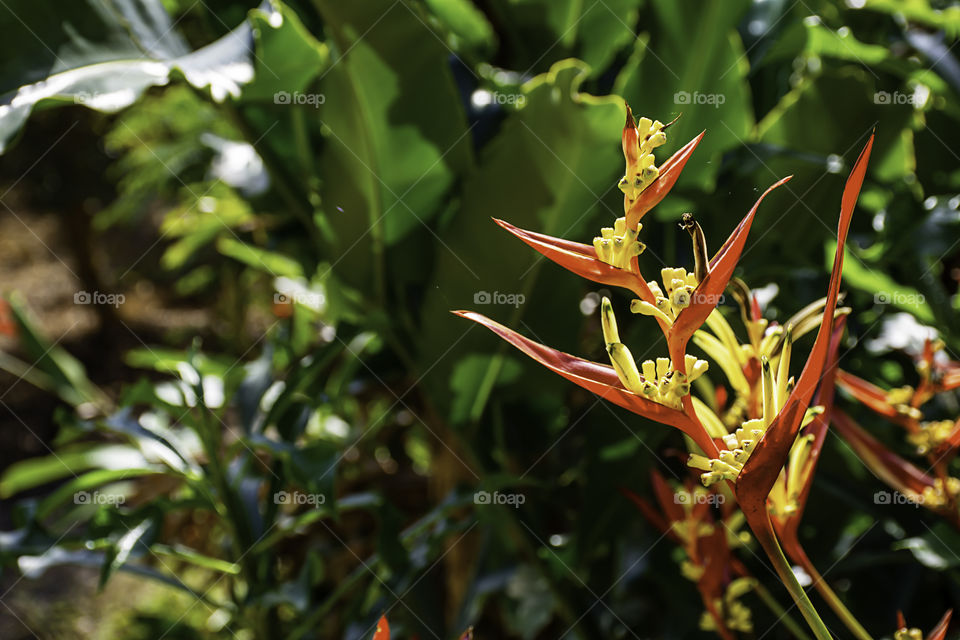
x: 389, y: 160
x: 947, y: 17
x: 546, y: 31
x: 552, y: 168
x: 287, y: 57
x: 104, y: 55
x: 466, y: 22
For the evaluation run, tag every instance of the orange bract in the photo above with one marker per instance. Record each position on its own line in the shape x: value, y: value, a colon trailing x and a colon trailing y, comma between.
x: 383, y: 629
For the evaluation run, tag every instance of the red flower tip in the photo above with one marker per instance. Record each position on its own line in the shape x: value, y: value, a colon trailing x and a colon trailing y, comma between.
x: 383, y: 629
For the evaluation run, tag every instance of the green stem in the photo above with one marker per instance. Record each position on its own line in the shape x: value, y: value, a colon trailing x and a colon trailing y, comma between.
x: 832, y: 598
x: 768, y: 540
x: 774, y: 606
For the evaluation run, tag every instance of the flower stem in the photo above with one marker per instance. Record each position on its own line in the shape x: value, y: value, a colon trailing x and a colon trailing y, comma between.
x: 768, y: 540
x: 795, y: 629
x: 832, y: 598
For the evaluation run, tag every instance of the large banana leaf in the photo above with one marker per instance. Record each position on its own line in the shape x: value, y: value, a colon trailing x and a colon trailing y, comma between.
x: 104, y: 54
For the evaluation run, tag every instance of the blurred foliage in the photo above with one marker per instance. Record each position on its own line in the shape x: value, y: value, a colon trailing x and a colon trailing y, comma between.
x: 329, y: 170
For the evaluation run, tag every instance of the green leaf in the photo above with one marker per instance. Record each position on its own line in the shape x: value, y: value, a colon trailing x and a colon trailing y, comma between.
x: 187, y: 554
x: 33, y: 566
x: 466, y: 22
x: 389, y: 161
x: 546, y: 31
x: 885, y: 289
x: 288, y: 58
x: 467, y: 379
x: 935, y: 549
x: 104, y: 55
x: 693, y: 64
x: 275, y: 264
x: 85, y: 482
x: 552, y: 168
x: 33, y: 472
x: 64, y: 374
x: 117, y: 555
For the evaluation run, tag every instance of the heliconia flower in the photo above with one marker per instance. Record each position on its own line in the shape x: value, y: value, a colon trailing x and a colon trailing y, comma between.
x: 881, y: 402
x: 678, y: 321
x: 939, y: 494
x: 936, y: 376
x: 685, y: 515
x: 754, y: 456
x: 938, y: 439
x: 704, y: 298
x: 639, y: 139
x: 939, y: 632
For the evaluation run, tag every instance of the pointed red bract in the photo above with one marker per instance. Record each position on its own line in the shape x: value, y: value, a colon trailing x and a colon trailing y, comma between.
x: 870, y: 395
x: 940, y: 631
x: 596, y: 378
x: 383, y: 629
x: 659, y: 188
x: 650, y: 512
x: 582, y: 260
x: 665, y: 496
x: 762, y: 468
x: 786, y: 526
x: 821, y: 423
x: 705, y: 296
